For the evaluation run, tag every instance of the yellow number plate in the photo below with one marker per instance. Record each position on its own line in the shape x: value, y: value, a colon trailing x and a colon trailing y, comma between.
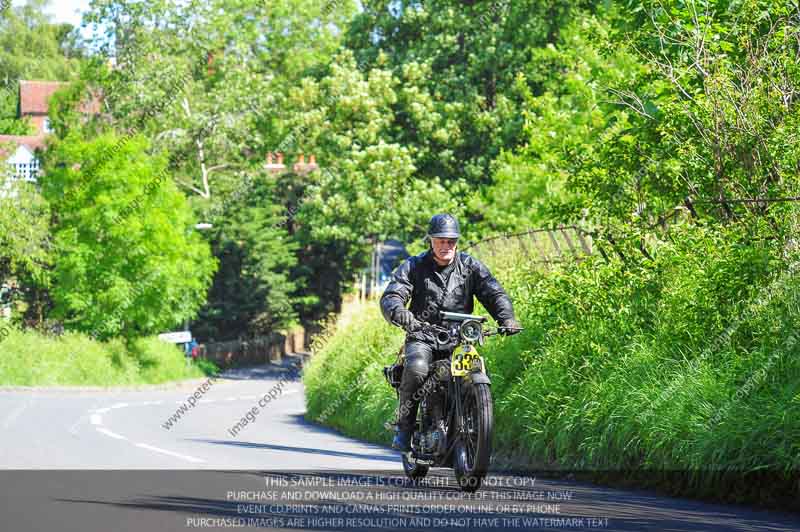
x: 463, y: 361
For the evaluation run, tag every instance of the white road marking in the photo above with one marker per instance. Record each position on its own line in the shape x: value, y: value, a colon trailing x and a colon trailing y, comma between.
x: 119, y: 405
x: 170, y: 453
x: 102, y: 410
x: 72, y: 429
x: 232, y: 399
x: 112, y: 434
x: 96, y: 419
x: 16, y: 413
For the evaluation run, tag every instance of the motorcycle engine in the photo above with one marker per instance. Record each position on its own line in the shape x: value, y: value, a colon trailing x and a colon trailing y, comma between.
x: 433, y: 441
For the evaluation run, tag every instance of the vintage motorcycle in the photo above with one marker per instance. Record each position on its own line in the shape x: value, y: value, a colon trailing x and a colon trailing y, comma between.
x: 454, y: 423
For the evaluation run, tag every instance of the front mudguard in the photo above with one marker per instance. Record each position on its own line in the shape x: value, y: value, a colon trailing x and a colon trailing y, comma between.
x: 478, y: 377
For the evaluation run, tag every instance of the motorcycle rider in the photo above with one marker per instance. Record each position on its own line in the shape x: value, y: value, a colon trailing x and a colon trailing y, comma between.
x: 440, y: 279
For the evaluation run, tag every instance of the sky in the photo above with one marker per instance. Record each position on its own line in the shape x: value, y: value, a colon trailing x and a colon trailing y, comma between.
x: 63, y: 10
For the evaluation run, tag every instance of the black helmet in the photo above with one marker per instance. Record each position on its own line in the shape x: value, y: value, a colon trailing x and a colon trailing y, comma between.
x: 443, y: 226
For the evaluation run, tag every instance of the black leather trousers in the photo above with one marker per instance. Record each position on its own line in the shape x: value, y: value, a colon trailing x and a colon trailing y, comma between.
x: 418, y: 358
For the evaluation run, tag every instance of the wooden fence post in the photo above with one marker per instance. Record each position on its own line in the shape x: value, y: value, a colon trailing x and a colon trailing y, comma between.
x: 555, y: 243
x: 543, y: 255
x: 568, y: 241
x: 587, y: 248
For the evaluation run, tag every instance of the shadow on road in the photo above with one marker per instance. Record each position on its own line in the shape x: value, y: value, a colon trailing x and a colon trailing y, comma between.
x: 293, y: 449
x: 309, y: 426
x: 289, y: 369
x: 328, y: 499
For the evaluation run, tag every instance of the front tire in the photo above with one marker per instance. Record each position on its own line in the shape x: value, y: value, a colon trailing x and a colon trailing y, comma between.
x: 474, y: 449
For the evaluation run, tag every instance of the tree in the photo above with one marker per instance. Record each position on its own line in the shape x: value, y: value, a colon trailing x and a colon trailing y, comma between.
x: 252, y: 294
x: 218, y: 75
x: 127, y: 260
x: 708, y: 114
x: 31, y: 45
x: 366, y: 189
x: 556, y: 176
x: 25, y: 245
x: 465, y: 68
x: 10, y: 123
x: 223, y: 70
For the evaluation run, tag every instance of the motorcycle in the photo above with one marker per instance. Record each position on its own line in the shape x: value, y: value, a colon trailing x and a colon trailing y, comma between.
x: 455, y: 420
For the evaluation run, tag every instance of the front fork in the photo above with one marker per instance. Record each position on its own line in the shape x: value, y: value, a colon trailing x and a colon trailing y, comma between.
x: 459, y: 407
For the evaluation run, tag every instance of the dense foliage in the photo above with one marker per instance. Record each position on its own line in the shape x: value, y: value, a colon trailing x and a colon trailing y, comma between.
x: 681, y: 372
x: 508, y: 114
x: 673, y: 350
x: 25, y: 246
x: 127, y: 260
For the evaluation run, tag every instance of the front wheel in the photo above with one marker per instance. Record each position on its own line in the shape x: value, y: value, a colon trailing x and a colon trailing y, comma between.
x: 474, y: 449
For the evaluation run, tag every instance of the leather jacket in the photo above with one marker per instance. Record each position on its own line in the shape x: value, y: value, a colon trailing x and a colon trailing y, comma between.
x: 417, y: 279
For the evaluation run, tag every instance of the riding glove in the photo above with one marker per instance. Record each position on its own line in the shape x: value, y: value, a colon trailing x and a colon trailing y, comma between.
x: 510, y: 327
x: 403, y: 317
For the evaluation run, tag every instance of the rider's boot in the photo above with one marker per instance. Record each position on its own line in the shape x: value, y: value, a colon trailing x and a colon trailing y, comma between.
x: 406, y: 421
x: 402, y: 440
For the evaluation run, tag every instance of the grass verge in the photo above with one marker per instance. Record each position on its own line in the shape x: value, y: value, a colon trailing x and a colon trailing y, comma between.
x: 28, y: 358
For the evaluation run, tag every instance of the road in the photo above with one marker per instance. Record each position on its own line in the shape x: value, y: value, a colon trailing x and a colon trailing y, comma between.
x: 85, y: 460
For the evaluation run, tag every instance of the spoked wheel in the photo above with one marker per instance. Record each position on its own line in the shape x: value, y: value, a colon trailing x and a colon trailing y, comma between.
x: 414, y: 471
x: 474, y: 448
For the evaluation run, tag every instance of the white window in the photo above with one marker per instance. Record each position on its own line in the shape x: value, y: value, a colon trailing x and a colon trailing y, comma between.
x: 28, y: 172
x: 46, y: 125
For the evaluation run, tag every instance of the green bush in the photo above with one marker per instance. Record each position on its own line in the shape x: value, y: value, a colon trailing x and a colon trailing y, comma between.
x: 344, y: 380
x: 686, y: 362
x: 32, y: 359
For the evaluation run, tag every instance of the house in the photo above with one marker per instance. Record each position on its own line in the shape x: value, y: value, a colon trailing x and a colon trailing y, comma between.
x: 34, y: 103
x: 20, y: 153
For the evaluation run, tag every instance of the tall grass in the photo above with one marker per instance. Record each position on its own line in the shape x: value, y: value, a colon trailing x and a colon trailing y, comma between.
x: 686, y: 363
x: 28, y: 358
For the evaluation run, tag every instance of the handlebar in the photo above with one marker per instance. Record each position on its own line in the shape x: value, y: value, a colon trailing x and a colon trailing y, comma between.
x: 438, y: 329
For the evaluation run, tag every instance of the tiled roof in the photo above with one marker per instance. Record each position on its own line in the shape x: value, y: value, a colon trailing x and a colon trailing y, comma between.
x: 34, y: 96
x: 32, y: 142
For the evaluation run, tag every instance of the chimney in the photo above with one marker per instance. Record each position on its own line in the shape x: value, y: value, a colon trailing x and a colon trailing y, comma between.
x: 312, y: 163
x: 271, y: 165
x: 300, y: 165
